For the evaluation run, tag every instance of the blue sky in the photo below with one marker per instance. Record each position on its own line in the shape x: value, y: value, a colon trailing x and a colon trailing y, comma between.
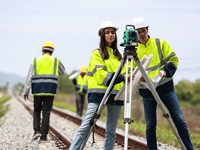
x: 72, y: 26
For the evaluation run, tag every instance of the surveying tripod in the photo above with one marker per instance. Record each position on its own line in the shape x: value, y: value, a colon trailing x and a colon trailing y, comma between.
x: 130, y: 54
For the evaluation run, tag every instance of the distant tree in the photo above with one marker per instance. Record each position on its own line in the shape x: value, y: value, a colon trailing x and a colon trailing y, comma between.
x: 18, y: 88
x: 65, y: 85
x: 196, y: 86
x: 195, y: 99
x: 184, y: 90
x: 196, y: 89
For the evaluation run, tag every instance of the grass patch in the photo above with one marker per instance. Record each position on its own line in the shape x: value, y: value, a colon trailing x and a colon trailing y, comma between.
x: 195, y: 137
x: 3, y: 108
x: 4, y: 99
x: 60, y: 101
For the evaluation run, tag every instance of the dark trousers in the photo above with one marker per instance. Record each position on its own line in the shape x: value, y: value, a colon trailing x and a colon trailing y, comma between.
x: 80, y: 104
x: 42, y: 104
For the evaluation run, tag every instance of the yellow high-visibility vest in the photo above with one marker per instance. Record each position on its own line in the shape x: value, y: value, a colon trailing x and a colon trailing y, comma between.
x: 99, y: 72
x: 162, y: 54
x: 81, y: 86
x: 44, y: 75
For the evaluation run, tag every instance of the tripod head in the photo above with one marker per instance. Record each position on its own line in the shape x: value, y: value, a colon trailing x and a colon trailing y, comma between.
x: 130, y: 38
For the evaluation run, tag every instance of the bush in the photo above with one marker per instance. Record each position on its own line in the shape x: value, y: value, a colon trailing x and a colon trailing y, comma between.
x: 195, y: 99
x: 65, y: 85
x: 184, y: 90
x: 196, y: 87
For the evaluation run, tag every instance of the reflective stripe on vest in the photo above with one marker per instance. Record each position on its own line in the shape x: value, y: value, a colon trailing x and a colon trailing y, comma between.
x: 44, y: 82
x: 162, y: 62
x: 100, y: 72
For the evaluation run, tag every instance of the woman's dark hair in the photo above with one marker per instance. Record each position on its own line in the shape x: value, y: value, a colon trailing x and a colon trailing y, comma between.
x: 102, y: 46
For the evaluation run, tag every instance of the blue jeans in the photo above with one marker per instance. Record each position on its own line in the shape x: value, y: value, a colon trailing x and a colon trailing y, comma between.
x: 113, y: 113
x: 172, y: 103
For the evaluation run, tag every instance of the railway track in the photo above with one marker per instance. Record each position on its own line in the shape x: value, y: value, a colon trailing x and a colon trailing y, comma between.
x: 63, y: 130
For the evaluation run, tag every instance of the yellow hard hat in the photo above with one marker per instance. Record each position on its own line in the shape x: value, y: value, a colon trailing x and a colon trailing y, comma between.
x: 48, y: 46
x: 83, y: 69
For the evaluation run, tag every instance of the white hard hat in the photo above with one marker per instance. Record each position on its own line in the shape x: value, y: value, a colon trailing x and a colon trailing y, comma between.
x: 107, y: 24
x: 139, y: 22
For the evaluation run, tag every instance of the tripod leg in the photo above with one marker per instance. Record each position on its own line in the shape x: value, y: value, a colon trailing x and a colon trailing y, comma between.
x: 160, y: 104
x: 104, y: 100
x: 130, y: 91
x: 127, y: 102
